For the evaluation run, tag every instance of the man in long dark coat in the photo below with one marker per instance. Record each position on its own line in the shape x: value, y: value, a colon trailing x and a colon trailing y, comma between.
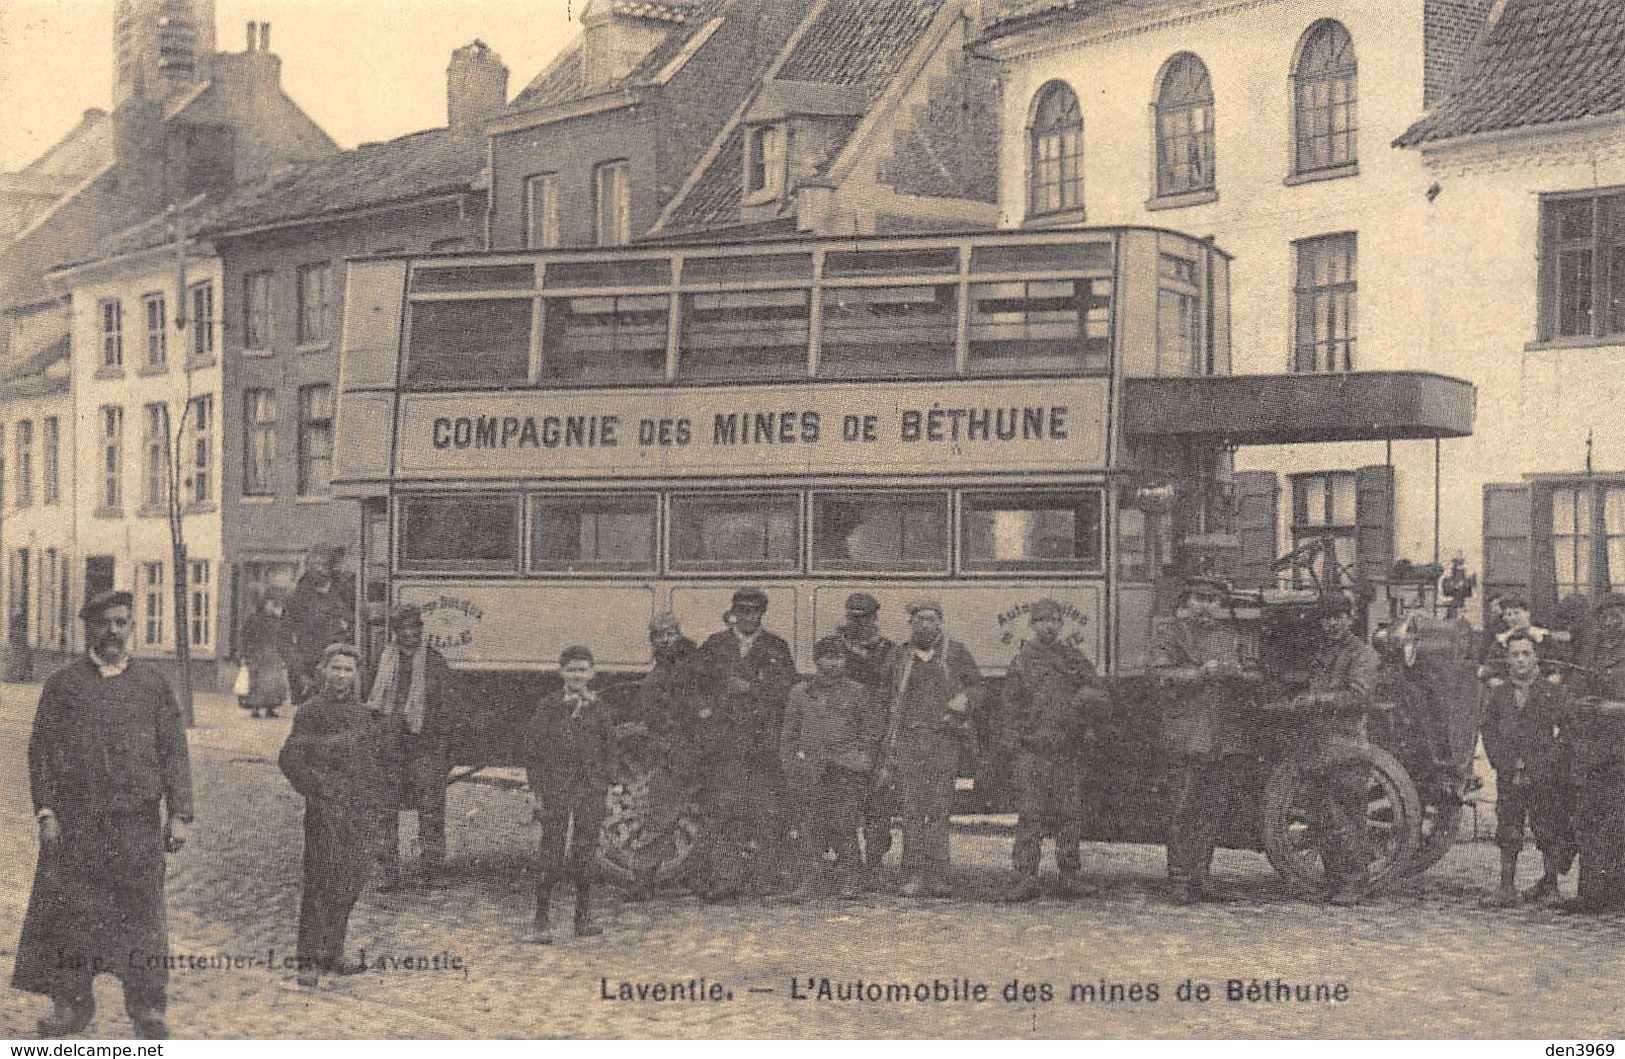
x: 112, y: 787
x: 331, y: 757
x: 411, y: 696
x: 869, y: 659
x: 1597, y: 736
x: 741, y: 678
x: 662, y: 695
x: 321, y: 612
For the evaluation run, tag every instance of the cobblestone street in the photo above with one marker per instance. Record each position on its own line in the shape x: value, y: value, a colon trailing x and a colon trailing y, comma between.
x: 1425, y: 962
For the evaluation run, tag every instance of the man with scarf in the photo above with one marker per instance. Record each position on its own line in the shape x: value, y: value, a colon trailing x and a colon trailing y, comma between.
x: 934, y: 680
x: 741, y: 678
x: 331, y: 757
x: 1051, y: 692
x: 1597, y: 735
x: 869, y: 660
x: 1204, y: 730
x: 411, y: 698
x: 112, y: 789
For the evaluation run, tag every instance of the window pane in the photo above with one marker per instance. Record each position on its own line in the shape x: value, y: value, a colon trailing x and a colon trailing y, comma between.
x: 893, y: 262
x: 480, y: 341
x: 593, y: 533
x: 735, y: 533
x: 474, y: 278
x: 1032, y: 531
x: 1056, y: 324
x: 863, y: 531
x: 465, y: 532
x: 608, y: 337
x: 745, y: 334
x: 888, y: 330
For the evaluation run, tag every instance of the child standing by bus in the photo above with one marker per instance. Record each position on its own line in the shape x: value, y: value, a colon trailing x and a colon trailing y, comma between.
x: 826, y: 747
x: 570, y: 763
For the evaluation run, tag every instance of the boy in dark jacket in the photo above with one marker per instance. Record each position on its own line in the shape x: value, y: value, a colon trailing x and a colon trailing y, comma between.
x: 826, y: 748
x: 1523, y: 731
x: 570, y: 763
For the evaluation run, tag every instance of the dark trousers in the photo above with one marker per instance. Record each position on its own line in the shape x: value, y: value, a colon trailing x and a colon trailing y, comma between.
x: 420, y: 786
x: 1049, y: 801
x: 1337, y: 798
x: 927, y: 762
x: 1546, y: 808
x: 739, y: 797
x: 1600, y: 828
x: 1200, y: 805
x: 568, y: 844
x: 828, y: 812
x: 880, y: 806
x: 336, y: 868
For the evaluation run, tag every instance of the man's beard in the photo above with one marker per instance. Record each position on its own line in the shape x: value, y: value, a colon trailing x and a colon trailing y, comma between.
x: 110, y: 646
x: 667, y: 652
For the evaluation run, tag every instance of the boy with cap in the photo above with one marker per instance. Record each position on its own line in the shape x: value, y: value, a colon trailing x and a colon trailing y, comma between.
x: 331, y: 758
x: 869, y: 660
x: 1051, y: 693
x: 826, y: 750
x: 741, y: 676
x: 570, y: 763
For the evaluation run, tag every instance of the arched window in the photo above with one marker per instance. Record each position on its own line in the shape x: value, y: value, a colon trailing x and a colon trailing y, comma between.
x: 1184, y: 127
x: 1056, y: 182
x: 1324, y: 99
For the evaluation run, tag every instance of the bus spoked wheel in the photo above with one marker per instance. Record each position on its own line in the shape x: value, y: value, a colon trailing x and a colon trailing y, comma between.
x: 651, y: 829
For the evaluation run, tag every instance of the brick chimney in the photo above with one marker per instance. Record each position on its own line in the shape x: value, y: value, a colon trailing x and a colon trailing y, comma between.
x: 476, y: 87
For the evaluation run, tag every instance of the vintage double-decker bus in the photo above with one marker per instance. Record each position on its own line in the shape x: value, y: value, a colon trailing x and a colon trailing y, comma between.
x: 550, y: 447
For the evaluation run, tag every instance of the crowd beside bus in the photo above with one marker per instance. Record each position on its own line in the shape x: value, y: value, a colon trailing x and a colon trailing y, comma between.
x: 798, y: 778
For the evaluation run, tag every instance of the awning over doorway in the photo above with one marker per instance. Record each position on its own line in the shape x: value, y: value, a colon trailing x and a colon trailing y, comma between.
x: 1294, y: 409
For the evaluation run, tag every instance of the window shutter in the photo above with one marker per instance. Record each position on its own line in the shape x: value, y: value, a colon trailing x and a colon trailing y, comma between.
x: 1257, y: 503
x: 1509, y: 544
x: 1374, y: 522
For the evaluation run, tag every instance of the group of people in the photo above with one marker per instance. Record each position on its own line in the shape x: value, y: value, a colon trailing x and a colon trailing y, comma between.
x: 808, y: 773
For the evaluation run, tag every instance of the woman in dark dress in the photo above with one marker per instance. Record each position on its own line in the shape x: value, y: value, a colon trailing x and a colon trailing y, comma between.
x: 261, y: 649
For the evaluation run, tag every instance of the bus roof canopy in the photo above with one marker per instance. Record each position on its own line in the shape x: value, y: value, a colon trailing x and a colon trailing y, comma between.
x: 1293, y: 409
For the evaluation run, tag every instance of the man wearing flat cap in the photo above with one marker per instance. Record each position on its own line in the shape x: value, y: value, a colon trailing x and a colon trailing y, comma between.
x: 935, y: 685
x: 1342, y: 685
x: 112, y: 788
x: 741, y: 677
x: 662, y: 695
x: 332, y: 759
x: 1197, y: 658
x: 869, y: 659
x: 1051, y: 697
x: 411, y: 697
x: 1597, y: 736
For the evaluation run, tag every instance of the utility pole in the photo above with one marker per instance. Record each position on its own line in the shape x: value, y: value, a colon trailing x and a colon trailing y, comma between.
x: 174, y: 437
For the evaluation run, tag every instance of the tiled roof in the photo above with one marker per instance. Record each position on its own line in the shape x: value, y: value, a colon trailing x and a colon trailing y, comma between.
x: 1023, y: 16
x: 1541, y: 62
x: 415, y: 166
x: 562, y: 80
x: 862, y: 43
x: 31, y: 375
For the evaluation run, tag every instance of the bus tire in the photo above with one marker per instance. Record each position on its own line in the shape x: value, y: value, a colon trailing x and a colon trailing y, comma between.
x: 653, y: 829
x: 1393, y: 820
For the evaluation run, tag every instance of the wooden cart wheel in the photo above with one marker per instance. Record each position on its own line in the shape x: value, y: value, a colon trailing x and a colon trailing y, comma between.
x: 1441, y: 816
x: 651, y: 821
x: 1392, y: 821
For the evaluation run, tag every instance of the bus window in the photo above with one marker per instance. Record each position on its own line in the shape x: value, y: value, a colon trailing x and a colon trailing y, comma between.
x: 881, y: 532
x: 583, y: 533
x: 465, y: 532
x: 1044, y: 325
x: 473, y: 278
x: 745, y: 335
x: 473, y: 342
x: 905, y: 330
x: 754, y: 532
x: 1034, y: 530
x: 605, y: 338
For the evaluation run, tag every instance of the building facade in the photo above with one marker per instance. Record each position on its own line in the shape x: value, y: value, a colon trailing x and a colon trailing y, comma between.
x: 1265, y: 125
